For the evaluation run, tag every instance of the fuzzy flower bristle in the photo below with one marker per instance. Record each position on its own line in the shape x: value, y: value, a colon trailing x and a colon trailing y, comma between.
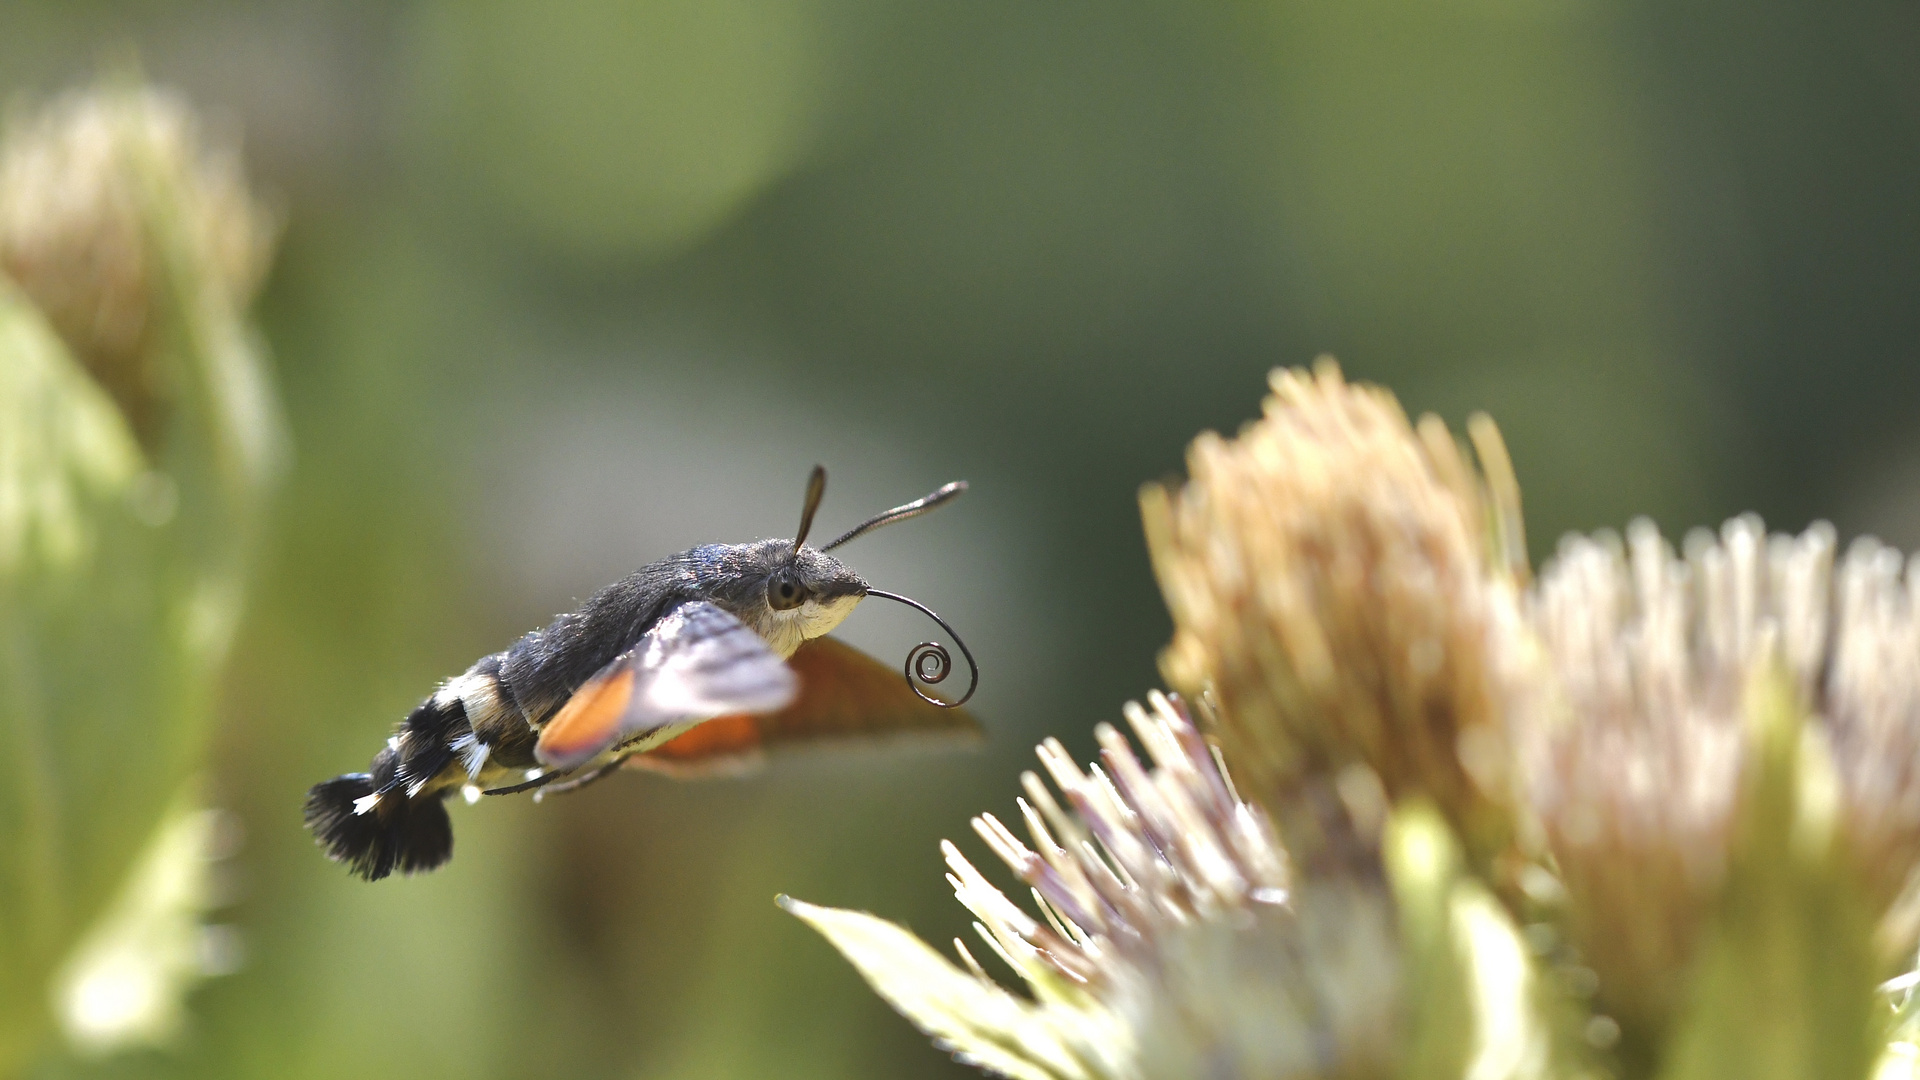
x: 1637, y: 769
x: 1870, y: 700
x: 1636, y: 792
x: 1168, y: 937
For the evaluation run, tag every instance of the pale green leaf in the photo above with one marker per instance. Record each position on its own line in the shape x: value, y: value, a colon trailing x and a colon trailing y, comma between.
x: 68, y: 537
x: 1472, y: 998
x: 1424, y: 864
x: 123, y: 985
x: 980, y: 1022
x: 1785, y: 984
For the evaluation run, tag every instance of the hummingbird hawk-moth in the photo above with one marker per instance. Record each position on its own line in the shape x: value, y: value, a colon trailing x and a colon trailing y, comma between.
x: 693, y: 665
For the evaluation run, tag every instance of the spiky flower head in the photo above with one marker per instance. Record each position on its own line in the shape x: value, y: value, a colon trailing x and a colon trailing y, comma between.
x: 1167, y: 938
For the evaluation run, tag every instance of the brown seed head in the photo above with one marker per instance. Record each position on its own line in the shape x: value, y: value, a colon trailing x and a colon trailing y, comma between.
x: 1339, y: 581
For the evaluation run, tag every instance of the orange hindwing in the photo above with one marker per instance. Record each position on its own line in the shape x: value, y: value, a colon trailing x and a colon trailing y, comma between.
x: 844, y: 694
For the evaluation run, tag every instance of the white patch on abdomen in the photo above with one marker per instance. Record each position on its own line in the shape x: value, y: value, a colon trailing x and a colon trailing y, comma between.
x: 480, y: 697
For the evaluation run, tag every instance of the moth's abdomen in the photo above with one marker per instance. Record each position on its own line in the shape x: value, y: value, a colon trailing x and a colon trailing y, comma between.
x: 392, y: 817
x: 470, y: 726
x: 494, y: 717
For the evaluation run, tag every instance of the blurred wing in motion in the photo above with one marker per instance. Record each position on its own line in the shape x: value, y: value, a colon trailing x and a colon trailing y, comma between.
x: 698, y: 662
x: 844, y: 694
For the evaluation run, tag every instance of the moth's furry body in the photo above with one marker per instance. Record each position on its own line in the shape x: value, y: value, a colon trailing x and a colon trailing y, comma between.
x: 484, y: 725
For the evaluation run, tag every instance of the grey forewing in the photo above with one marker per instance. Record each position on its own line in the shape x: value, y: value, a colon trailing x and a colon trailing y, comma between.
x: 697, y: 662
x: 701, y: 662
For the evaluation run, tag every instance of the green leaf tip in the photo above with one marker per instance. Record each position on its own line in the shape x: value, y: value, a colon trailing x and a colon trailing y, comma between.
x: 1784, y: 985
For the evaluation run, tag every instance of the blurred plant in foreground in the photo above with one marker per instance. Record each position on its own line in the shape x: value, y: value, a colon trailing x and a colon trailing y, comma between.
x: 1650, y: 816
x: 138, y: 441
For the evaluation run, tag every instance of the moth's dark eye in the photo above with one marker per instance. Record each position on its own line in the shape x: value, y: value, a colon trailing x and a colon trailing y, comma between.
x: 784, y: 593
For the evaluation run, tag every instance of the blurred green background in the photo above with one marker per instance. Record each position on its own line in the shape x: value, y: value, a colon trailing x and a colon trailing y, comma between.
x: 565, y: 287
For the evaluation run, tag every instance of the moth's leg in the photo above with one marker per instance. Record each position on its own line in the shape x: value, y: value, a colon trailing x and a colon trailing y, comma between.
x: 537, y: 782
x: 579, y: 782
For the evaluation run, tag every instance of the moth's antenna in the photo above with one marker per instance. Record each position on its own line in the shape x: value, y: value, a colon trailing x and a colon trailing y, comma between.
x: 816, y: 487
x: 944, y: 494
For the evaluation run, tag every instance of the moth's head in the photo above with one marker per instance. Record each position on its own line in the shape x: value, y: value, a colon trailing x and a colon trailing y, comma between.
x: 807, y: 587
x: 789, y: 592
x: 808, y: 575
x: 804, y: 593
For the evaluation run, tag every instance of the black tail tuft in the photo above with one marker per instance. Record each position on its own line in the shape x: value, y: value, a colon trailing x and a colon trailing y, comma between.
x: 397, y: 833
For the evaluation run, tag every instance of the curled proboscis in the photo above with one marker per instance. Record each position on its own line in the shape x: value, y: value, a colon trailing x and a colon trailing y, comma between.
x: 929, y: 662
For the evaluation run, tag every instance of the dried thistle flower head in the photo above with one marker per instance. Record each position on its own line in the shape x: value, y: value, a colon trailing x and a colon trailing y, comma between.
x: 83, y: 182
x: 1339, y: 581
x: 1169, y: 941
x: 1638, y: 763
